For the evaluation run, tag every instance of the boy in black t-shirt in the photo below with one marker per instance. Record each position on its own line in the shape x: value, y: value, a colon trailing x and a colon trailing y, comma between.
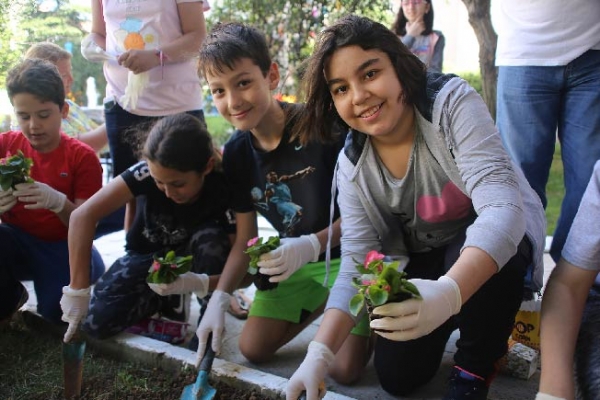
x: 288, y: 181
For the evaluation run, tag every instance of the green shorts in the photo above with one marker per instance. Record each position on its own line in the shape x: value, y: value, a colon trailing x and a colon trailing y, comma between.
x: 299, y: 295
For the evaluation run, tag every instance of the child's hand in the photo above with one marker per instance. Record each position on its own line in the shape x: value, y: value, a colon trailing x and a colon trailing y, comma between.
x: 40, y: 196
x: 414, y: 318
x: 185, y: 283
x: 7, y: 200
x: 415, y: 28
x: 289, y: 257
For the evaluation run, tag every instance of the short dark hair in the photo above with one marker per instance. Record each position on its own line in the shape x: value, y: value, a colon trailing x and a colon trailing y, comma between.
x: 37, y: 77
x: 180, y: 142
x: 399, y: 25
x: 320, y: 116
x: 230, y: 42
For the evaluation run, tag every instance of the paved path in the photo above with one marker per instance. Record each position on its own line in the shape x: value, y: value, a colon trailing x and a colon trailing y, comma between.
x: 291, y: 355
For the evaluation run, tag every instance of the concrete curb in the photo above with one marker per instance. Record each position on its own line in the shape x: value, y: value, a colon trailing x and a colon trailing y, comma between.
x: 130, y: 347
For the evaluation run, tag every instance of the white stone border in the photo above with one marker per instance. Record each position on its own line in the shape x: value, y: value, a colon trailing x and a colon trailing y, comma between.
x: 151, y: 351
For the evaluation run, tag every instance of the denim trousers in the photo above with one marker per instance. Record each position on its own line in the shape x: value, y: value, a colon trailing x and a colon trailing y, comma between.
x: 122, y: 128
x: 25, y: 257
x: 485, y: 322
x: 537, y: 103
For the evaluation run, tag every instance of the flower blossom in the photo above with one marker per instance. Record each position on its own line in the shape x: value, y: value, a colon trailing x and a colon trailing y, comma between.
x: 252, y: 241
x: 373, y: 256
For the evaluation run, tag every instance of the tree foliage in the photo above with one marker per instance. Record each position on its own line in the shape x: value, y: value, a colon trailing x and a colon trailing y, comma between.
x: 292, y: 25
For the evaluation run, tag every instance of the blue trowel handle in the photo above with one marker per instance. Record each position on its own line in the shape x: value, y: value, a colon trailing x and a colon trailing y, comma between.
x: 209, y: 355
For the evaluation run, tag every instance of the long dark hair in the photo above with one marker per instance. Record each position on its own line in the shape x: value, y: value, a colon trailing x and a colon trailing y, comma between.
x: 399, y: 25
x: 180, y: 142
x: 320, y: 115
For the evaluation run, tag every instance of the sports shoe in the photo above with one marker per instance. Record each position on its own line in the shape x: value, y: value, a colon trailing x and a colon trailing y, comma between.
x: 176, y: 307
x: 23, y: 297
x: 463, y: 385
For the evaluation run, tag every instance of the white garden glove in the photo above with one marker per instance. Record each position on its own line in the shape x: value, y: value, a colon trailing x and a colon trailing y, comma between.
x: 185, y: 283
x: 7, y: 200
x: 213, y: 321
x: 92, y: 52
x: 414, y: 318
x: 544, y: 396
x: 74, y: 304
x: 311, y: 373
x: 40, y: 195
x: 289, y: 257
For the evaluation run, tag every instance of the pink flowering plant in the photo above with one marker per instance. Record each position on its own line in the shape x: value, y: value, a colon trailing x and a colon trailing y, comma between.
x: 379, y: 283
x: 256, y: 247
x: 14, y: 170
x: 166, y: 269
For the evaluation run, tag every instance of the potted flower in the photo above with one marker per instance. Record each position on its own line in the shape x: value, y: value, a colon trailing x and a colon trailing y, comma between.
x: 166, y: 269
x: 14, y: 170
x: 256, y: 247
x: 379, y: 283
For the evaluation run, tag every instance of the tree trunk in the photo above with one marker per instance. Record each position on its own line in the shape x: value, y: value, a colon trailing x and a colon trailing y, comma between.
x: 481, y: 21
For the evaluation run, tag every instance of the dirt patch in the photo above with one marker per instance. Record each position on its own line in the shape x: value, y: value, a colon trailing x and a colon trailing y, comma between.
x: 31, y: 368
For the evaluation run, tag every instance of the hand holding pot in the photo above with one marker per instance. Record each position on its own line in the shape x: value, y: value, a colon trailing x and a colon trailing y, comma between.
x: 414, y: 318
x: 289, y: 257
x: 40, y: 196
x: 7, y: 200
x: 185, y: 283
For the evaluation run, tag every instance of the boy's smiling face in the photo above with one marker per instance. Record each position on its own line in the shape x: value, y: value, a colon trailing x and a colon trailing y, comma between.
x: 40, y: 121
x: 242, y: 94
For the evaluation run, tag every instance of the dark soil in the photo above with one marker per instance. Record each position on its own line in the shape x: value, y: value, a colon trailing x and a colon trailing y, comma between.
x: 31, y: 368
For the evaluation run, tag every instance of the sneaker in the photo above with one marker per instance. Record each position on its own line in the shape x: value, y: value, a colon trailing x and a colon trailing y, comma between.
x: 463, y: 385
x: 176, y: 307
x: 22, y: 300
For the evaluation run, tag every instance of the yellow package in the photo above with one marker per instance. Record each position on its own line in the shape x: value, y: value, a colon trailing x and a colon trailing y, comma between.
x: 527, y: 324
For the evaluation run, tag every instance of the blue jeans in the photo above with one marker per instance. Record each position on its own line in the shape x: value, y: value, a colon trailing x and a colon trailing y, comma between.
x: 535, y: 104
x: 122, y: 127
x: 25, y: 257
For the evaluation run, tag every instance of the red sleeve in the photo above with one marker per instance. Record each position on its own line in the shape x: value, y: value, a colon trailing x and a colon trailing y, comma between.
x: 88, y: 174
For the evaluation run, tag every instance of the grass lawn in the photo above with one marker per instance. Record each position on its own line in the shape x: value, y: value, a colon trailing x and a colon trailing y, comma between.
x: 555, y: 191
x: 31, y: 369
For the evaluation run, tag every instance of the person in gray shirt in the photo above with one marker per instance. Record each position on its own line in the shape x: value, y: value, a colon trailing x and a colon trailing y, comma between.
x: 423, y: 173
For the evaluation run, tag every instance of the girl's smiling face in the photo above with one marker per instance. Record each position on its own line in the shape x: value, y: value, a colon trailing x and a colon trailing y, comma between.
x: 367, y: 94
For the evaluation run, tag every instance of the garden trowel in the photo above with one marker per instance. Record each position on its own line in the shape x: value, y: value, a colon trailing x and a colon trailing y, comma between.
x: 201, y: 390
x: 72, y: 354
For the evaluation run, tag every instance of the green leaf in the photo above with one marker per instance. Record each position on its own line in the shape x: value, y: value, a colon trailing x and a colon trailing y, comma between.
x: 357, y: 302
x: 259, y: 248
x: 377, y: 296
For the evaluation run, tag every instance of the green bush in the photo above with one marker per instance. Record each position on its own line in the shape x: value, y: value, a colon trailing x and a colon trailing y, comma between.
x: 219, y: 129
x: 474, y: 79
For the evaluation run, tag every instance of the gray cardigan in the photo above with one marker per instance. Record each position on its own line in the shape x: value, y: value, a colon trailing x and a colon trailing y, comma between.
x: 462, y: 137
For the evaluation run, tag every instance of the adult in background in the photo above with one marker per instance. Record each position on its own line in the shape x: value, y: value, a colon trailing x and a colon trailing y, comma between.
x: 159, y: 39
x: 548, y: 85
x: 414, y: 26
